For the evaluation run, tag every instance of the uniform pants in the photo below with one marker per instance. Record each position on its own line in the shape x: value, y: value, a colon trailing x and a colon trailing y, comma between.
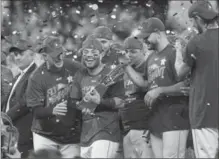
x: 205, y: 142
x: 101, y: 149
x: 67, y: 150
x: 171, y: 144
x: 135, y: 145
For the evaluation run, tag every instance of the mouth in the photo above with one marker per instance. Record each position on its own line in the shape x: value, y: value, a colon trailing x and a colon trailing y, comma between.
x: 89, y: 60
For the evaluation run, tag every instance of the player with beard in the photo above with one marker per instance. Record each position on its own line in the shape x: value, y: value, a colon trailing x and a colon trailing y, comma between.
x: 135, y: 115
x: 169, y: 123
x: 105, y: 36
x: 56, y: 123
x: 201, y: 58
x: 100, y: 133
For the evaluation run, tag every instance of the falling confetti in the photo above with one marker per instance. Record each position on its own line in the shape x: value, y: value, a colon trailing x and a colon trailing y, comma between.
x: 113, y: 16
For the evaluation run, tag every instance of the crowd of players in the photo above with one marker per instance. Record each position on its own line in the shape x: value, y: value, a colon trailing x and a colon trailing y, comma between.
x: 149, y: 113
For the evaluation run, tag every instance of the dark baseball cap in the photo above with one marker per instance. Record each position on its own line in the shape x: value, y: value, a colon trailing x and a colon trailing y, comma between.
x: 202, y: 9
x: 21, y: 45
x: 151, y: 25
x: 52, y: 46
x: 92, y: 43
x: 103, y: 32
x: 133, y: 43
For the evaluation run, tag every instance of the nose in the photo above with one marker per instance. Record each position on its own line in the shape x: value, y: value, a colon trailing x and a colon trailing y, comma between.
x: 17, y: 57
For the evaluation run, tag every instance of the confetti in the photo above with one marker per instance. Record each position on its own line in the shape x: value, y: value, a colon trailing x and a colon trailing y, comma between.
x: 77, y: 11
x: 30, y: 11
x: 175, y: 14
x: 95, y: 7
x: 113, y: 16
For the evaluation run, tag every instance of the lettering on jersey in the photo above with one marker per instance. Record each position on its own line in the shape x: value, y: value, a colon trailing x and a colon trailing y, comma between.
x: 70, y: 79
x: 156, y: 70
x: 57, y: 93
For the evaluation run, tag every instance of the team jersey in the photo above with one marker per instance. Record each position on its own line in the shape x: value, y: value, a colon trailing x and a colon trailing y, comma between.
x: 105, y: 125
x: 49, y: 88
x: 135, y: 115
x: 202, y: 56
x: 169, y: 112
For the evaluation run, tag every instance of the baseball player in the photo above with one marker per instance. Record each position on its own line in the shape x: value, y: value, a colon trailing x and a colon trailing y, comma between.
x: 56, y: 122
x: 135, y: 115
x: 201, y: 58
x: 100, y: 132
x: 105, y: 36
x: 169, y: 123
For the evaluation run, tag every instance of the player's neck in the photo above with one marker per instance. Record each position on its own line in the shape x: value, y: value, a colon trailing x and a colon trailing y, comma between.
x: 162, y: 45
x: 96, y: 71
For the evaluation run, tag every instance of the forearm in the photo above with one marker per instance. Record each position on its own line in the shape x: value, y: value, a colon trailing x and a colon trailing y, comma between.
x: 41, y: 112
x: 136, y: 77
x: 17, y: 111
x: 182, y: 71
x: 174, y: 90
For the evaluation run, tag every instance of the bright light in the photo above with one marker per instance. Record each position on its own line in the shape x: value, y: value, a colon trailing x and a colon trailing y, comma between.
x: 189, y: 29
x: 95, y: 6
x: 9, y: 23
x: 75, y: 36
x: 29, y: 11
x: 78, y: 12
x: 75, y: 56
x: 14, y: 32
x: 167, y: 31
x: 113, y: 16
x: 100, y: 1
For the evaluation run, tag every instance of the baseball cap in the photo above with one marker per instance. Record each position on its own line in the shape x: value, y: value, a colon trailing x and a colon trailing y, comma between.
x: 92, y: 43
x: 52, y: 46
x: 149, y: 26
x: 133, y: 43
x: 203, y: 9
x: 103, y: 32
x: 21, y: 45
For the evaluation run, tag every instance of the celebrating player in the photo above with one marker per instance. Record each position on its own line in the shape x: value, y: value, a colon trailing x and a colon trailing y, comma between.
x: 135, y: 115
x: 201, y: 58
x: 100, y: 132
x: 55, y: 123
x: 169, y: 123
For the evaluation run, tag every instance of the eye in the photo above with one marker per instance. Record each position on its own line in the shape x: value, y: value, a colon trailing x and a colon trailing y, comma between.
x: 85, y: 52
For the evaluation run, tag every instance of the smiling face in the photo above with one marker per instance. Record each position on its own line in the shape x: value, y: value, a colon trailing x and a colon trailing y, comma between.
x: 91, y: 58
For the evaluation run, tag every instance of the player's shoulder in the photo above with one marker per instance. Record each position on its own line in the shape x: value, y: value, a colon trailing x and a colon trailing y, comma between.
x: 80, y: 73
x: 38, y: 73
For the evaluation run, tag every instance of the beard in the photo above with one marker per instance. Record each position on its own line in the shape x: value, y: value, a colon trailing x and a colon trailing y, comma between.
x: 151, y: 46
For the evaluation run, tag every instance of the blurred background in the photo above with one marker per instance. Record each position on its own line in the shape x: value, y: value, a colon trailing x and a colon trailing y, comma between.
x: 73, y: 20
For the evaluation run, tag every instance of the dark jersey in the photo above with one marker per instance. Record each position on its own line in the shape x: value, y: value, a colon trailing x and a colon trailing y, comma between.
x: 170, y: 113
x: 48, y: 89
x: 202, y: 56
x: 105, y: 125
x: 135, y: 115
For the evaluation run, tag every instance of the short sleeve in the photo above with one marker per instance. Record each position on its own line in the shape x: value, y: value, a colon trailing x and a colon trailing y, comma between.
x: 189, y: 55
x: 35, y: 93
